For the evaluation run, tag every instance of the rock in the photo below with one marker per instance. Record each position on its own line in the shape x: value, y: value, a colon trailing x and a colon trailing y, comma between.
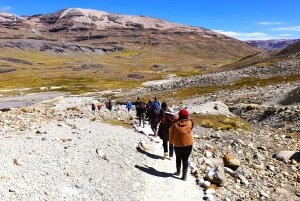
x: 287, y: 155
x: 244, y: 180
x: 210, y: 191
x: 229, y: 171
x: 143, y: 145
x: 101, y: 154
x: 79, y: 185
x: 231, y: 162
x: 216, y: 175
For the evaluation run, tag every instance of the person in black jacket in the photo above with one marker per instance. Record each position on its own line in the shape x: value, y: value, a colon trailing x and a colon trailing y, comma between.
x: 149, y: 109
x: 154, y: 118
x: 140, y: 111
x: 163, y: 131
x: 163, y: 109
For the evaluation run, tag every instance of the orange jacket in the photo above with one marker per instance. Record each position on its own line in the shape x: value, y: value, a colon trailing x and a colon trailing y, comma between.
x: 181, y: 133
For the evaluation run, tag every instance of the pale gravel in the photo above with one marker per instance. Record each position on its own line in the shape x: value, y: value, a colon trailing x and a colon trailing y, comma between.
x: 70, y: 169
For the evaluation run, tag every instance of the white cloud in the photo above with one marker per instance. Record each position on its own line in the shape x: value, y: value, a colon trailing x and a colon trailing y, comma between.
x: 294, y: 28
x: 270, y: 23
x: 285, y: 34
x: 5, y: 8
x: 245, y: 36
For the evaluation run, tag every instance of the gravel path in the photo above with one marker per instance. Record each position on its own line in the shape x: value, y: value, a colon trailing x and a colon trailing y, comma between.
x: 58, y: 160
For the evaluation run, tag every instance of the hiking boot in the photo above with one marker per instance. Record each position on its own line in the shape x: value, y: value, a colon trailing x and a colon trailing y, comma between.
x: 170, y: 158
x: 184, y: 173
x: 177, y: 173
x: 165, y: 155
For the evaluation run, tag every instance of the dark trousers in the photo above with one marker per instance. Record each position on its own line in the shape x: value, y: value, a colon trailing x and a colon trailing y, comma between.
x: 165, y: 145
x: 182, y: 155
x: 142, y: 119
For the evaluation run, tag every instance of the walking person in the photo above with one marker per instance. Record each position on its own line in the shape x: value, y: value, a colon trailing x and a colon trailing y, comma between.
x: 163, y: 109
x: 154, y: 118
x: 109, y: 105
x: 181, y: 136
x: 164, y: 127
x: 128, y: 105
x: 99, y: 106
x: 140, y: 111
x: 93, y: 107
x: 149, y: 109
x: 156, y: 103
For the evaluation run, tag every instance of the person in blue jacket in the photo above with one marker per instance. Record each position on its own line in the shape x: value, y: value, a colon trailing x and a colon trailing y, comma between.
x: 128, y: 105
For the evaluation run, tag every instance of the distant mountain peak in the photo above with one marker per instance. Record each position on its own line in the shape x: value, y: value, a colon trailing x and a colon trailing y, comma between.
x: 104, y: 20
x: 9, y: 17
x: 273, y: 44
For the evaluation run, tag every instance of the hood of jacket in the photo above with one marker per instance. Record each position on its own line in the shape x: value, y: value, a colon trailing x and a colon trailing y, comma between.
x: 182, y: 122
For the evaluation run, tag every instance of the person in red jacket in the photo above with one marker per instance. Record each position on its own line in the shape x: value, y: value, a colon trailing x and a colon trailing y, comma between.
x: 181, y: 136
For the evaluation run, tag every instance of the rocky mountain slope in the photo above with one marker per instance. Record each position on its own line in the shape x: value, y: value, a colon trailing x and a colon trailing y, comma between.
x: 274, y: 44
x: 102, y: 29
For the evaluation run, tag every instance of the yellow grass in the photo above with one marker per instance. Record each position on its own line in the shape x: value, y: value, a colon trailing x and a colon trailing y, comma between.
x: 220, y: 122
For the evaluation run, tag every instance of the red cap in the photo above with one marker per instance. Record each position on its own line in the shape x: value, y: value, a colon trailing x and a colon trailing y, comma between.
x: 183, y: 114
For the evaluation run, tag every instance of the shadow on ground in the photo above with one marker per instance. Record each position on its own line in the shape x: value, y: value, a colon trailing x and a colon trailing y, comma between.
x: 153, y: 171
x: 295, y: 156
x: 148, y: 154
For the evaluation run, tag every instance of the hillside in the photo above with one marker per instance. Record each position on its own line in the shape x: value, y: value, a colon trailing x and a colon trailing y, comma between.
x: 87, y: 50
x: 293, y: 49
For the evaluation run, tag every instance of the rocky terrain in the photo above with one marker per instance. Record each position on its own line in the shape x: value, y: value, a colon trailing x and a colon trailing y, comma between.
x: 100, y: 29
x: 259, y: 164
x: 55, y: 148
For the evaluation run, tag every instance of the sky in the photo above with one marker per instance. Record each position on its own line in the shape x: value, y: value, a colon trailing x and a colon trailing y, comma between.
x: 240, y: 19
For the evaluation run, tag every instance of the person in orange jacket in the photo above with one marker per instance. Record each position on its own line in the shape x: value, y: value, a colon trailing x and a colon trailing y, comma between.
x: 181, y: 136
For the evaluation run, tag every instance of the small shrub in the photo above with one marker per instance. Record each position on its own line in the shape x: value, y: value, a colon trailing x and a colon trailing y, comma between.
x: 93, y: 119
x: 131, y: 117
x: 73, y: 108
x: 23, y: 109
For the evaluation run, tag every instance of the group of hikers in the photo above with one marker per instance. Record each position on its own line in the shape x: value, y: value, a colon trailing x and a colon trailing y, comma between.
x: 176, y: 132
x: 108, y: 105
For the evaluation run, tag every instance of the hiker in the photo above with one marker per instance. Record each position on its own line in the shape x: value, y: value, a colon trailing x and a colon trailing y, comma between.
x: 99, y: 106
x: 163, y: 109
x: 181, y: 136
x: 93, y: 107
x: 156, y: 103
x: 140, y: 111
x: 128, y: 105
x: 163, y: 132
x: 154, y: 119
x: 109, y: 105
x: 149, y: 109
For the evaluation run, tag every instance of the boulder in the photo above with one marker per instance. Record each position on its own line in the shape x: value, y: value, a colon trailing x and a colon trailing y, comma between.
x: 287, y: 155
x: 231, y: 162
x: 216, y: 175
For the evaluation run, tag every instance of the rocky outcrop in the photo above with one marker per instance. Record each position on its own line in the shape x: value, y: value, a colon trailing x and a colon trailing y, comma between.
x: 60, y: 48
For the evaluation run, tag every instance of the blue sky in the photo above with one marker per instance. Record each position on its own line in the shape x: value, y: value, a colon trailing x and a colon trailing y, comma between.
x: 241, y: 19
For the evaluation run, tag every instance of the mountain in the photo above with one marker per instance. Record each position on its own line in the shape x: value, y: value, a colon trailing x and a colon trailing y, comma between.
x: 102, y: 29
x: 97, y: 47
x: 275, y: 44
x: 293, y: 49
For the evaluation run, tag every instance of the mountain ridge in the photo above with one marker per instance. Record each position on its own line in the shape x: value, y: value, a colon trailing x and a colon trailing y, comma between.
x: 128, y: 48
x: 273, y: 44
